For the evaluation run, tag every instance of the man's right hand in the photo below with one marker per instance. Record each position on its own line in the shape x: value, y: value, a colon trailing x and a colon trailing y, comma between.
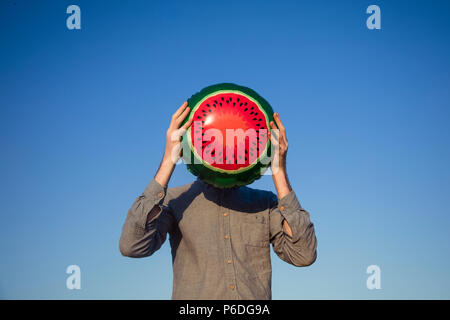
x: 172, y: 150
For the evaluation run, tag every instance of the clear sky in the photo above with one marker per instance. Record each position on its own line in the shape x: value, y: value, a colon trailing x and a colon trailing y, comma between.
x: 83, y: 115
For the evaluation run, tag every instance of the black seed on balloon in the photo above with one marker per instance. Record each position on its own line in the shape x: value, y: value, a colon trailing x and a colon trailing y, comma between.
x: 221, y: 98
x: 208, y: 105
x: 240, y: 104
x: 221, y: 104
x: 257, y: 124
x: 245, y: 109
x: 198, y: 117
x: 209, y: 110
x: 246, y: 104
x: 214, y: 105
x: 254, y: 119
x: 251, y: 112
x: 252, y: 108
x: 234, y: 103
x: 237, y: 99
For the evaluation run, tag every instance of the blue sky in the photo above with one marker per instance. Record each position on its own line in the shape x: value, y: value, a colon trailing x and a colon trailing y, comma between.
x: 83, y: 115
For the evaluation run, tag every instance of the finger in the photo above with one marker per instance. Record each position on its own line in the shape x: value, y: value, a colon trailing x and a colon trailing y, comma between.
x: 275, y: 130
x: 183, y: 116
x: 282, y: 137
x: 180, y: 110
x: 187, y: 124
x: 278, y: 122
x: 272, y: 139
x: 285, y: 141
x: 274, y: 133
x: 272, y: 125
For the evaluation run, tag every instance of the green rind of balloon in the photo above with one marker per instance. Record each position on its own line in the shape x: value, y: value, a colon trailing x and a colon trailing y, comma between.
x: 222, y: 179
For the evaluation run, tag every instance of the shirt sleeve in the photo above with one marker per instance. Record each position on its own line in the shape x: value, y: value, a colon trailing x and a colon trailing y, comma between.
x: 301, y: 249
x: 141, y: 238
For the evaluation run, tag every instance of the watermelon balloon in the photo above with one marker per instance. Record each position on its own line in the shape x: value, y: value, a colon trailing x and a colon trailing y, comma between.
x: 227, y: 144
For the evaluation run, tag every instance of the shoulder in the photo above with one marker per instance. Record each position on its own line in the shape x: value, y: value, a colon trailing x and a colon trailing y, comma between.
x: 175, y: 192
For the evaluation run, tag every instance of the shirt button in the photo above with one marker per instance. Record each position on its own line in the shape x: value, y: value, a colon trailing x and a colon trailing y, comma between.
x: 160, y: 194
x: 232, y: 286
x: 282, y: 208
x: 227, y: 236
x: 229, y: 261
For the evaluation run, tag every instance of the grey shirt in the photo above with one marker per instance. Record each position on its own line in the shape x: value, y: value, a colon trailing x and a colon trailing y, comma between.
x: 220, y: 238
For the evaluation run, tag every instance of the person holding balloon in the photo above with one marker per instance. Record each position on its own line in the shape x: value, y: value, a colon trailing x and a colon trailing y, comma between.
x: 220, y: 230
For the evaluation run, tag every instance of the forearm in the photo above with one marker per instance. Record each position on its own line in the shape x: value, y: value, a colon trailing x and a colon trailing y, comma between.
x: 283, y: 188
x: 281, y: 181
x: 165, y: 171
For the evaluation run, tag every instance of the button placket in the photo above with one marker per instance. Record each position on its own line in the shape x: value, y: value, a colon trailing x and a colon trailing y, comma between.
x: 227, y: 239
x: 228, y: 261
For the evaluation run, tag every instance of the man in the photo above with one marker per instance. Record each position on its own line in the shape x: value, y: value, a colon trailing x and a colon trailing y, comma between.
x: 220, y: 238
